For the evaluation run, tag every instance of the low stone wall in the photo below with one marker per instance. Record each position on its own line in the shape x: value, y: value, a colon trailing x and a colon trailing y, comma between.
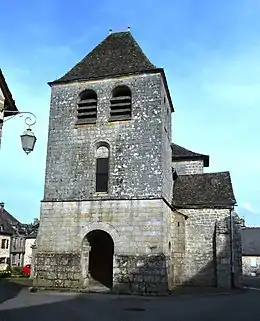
x: 57, y: 270
x: 142, y: 274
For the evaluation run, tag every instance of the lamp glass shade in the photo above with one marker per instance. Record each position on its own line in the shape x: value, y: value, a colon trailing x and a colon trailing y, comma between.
x: 28, y: 141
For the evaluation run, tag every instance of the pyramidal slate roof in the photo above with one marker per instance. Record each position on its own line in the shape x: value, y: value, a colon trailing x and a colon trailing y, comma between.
x: 204, y: 190
x: 9, y: 101
x: 180, y: 153
x: 7, y: 221
x: 117, y: 54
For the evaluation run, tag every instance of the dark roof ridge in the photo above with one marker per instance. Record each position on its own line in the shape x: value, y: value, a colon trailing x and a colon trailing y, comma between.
x: 209, y: 173
x: 182, y: 153
x: 8, y: 96
x: 251, y: 227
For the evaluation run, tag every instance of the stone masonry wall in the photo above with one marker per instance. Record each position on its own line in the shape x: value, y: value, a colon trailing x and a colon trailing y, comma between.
x: 167, y: 181
x: 189, y: 167
x: 237, y: 248
x: 177, y: 248
x: 58, y: 270
x: 208, y: 244
x: 145, y: 274
x: 137, y: 146
x: 139, y: 228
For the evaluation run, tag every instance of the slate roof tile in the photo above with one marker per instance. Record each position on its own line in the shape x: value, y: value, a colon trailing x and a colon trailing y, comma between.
x: 204, y: 190
x: 180, y: 153
x: 117, y: 54
x: 9, y: 101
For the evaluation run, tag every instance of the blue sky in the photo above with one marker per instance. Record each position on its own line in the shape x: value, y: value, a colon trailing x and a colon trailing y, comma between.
x: 210, y: 51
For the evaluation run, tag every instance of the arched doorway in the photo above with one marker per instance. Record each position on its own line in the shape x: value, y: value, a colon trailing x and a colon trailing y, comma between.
x: 100, y: 260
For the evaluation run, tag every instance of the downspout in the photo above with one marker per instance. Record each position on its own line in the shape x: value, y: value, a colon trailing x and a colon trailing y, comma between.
x: 232, y: 256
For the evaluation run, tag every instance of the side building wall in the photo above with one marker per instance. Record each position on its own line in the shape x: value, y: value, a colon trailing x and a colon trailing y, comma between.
x: 208, y: 248
x: 188, y: 167
x: 4, y: 252
x: 28, y: 250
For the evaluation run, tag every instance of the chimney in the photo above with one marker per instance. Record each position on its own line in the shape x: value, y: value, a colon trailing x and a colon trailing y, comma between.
x: 2, y: 206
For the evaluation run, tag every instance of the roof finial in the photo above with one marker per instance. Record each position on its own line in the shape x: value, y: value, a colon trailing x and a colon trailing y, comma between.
x: 110, y: 31
x: 128, y: 29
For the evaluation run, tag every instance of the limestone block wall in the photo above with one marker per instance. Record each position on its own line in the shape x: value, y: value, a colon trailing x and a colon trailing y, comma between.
x: 136, y: 225
x: 177, y: 248
x: 237, y: 248
x: 140, y: 230
x: 189, y: 167
x: 137, y: 148
x: 208, y: 247
x: 167, y: 182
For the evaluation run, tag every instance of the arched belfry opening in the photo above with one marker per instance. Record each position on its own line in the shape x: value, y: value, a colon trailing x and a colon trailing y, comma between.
x: 100, y: 258
x: 121, y: 103
x: 87, y: 107
x: 102, y: 167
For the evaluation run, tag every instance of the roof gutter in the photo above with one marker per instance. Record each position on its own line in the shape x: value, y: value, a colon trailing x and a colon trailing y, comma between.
x: 199, y: 206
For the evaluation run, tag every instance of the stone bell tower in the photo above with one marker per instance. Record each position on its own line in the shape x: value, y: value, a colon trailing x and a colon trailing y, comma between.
x: 105, y: 216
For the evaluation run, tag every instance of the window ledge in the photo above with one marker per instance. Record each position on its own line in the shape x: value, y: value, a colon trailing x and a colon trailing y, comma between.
x: 86, y: 122
x: 100, y: 194
x: 112, y: 120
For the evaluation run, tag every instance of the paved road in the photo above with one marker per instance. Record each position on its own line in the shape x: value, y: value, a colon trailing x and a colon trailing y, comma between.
x: 16, y: 303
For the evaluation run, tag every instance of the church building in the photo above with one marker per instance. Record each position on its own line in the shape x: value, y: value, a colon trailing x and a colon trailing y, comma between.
x: 125, y: 209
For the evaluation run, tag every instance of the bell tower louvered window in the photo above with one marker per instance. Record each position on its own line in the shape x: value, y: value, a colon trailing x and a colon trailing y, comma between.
x: 121, y: 104
x: 87, y: 107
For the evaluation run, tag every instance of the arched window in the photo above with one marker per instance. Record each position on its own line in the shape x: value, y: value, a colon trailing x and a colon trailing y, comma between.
x: 121, y: 104
x: 102, y: 168
x: 87, y: 107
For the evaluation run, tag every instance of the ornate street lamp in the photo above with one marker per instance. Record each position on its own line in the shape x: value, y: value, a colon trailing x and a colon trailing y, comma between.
x: 28, y: 138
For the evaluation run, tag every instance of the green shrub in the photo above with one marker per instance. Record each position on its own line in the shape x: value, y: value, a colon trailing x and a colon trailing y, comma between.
x: 5, y: 274
x: 9, y: 268
x: 17, y: 270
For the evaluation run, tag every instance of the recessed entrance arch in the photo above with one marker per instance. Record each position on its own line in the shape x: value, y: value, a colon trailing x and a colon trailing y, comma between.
x: 100, y: 258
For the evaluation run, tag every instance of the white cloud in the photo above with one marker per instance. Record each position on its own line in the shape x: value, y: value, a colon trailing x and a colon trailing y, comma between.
x: 248, y: 206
